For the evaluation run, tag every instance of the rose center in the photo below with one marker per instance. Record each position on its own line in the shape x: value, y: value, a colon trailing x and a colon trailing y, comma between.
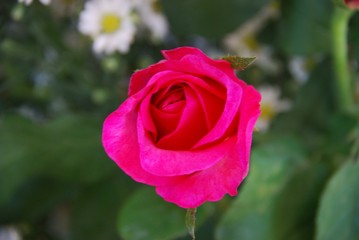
x: 110, y: 23
x: 171, y: 100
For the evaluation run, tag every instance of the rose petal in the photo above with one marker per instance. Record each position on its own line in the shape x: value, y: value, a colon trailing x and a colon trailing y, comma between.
x: 179, y: 53
x: 145, y: 111
x: 191, y: 127
x: 166, y: 122
x: 211, y: 104
x: 226, y: 175
x: 234, y: 95
x: 140, y: 78
x: 210, y: 94
x: 120, y: 141
x: 162, y: 162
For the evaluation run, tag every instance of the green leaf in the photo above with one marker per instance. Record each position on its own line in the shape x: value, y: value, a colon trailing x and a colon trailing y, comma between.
x: 19, y: 142
x: 147, y: 216
x: 252, y: 213
x: 239, y: 63
x: 295, y: 208
x: 67, y: 149
x: 339, y: 210
x: 303, y: 111
x: 305, y: 26
x: 94, y: 212
x: 209, y: 18
x: 73, y: 150
x: 354, y: 36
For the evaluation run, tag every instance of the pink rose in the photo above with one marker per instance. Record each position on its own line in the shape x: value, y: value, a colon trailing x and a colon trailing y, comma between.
x: 186, y: 128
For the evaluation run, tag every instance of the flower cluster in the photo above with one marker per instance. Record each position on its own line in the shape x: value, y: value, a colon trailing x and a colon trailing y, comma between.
x: 113, y: 23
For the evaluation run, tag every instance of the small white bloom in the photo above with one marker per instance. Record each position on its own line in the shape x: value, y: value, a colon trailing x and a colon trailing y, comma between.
x: 28, y: 2
x: 9, y: 233
x: 271, y: 105
x: 109, y: 23
x: 151, y: 16
x: 298, y: 68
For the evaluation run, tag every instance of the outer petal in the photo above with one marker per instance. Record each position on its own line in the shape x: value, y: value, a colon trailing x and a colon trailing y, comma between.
x: 179, y: 53
x: 162, y: 162
x: 120, y: 141
x: 226, y: 175
x: 140, y: 78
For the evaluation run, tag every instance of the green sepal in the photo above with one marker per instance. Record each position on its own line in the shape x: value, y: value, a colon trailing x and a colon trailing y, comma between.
x: 239, y: 63
x: 190, y: 221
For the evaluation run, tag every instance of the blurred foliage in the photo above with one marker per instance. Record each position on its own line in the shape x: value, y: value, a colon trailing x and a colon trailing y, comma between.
x: 56, y: 182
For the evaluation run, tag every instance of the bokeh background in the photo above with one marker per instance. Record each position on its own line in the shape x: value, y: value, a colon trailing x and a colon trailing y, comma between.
x: 56, y: 182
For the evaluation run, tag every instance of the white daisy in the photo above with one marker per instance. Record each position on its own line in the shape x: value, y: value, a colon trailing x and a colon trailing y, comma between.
x: 271, y: 105
x: 109, y: 23
x: 151, y: 16
x: 28, y: 2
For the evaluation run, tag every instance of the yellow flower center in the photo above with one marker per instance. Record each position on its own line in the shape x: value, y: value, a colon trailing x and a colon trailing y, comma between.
x: 110, y: 23
x: 267, y: 111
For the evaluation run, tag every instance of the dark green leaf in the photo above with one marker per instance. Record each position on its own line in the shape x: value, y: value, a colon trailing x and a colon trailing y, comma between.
x: 77, y: 153
x: 148, y: 216
x: 32, y: 200
x: 94, y: 212
x: 296, y: 205
x: 305, y: 26
x: 251, y: 215
x: 339, y: 210
x: 209, y: 18
x: 67, y: 149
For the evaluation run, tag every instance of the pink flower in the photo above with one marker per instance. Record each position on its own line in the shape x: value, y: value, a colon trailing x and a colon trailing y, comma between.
x: 354, y: 4
x: 186, y: 128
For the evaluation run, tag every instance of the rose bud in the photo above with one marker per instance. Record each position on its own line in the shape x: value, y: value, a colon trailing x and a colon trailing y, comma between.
x: 185, y: 128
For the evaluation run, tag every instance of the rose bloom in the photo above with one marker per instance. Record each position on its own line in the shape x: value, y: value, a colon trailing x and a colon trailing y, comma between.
x: 186, y: 128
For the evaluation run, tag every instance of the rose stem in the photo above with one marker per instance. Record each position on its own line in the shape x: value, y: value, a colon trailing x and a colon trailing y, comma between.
x: 342, y: 74
x: 191, y: 221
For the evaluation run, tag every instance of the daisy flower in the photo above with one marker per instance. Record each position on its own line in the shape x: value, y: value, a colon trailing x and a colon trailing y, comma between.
x: 28, y: 2
x: 271, y: 105
x: 151, y: 17
x: 109, y: 23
